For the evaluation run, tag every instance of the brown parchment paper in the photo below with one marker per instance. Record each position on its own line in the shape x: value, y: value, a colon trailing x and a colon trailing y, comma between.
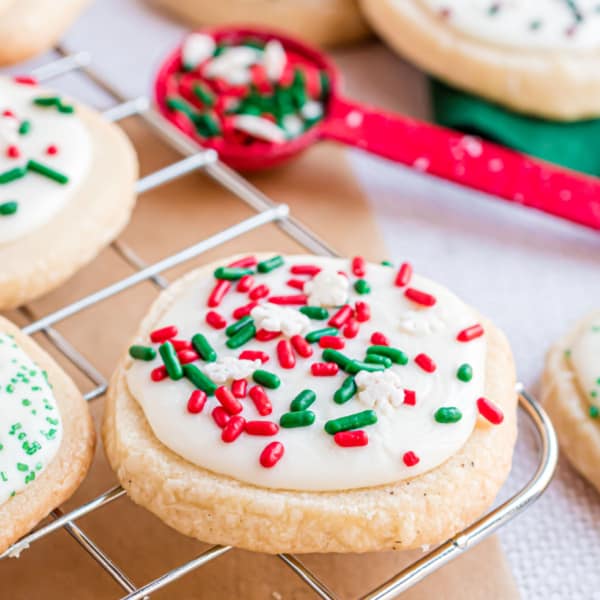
x: 321, y: 191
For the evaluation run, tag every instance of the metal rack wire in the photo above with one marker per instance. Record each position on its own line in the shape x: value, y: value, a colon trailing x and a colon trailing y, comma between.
x: 267, y: 212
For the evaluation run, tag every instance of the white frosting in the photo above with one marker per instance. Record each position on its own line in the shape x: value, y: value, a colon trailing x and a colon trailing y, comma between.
x: 38, y: 197
x: 328, y: 288
x: 30, y: 423
x: 543, y: 24
x: 196, y: 49
x: 230, y: 368
x: 585, y: 358
x: 273, y: 317
x: 312, y: 460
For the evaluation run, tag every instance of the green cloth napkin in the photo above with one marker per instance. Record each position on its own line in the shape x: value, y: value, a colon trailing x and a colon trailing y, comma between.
x: 574, y: 145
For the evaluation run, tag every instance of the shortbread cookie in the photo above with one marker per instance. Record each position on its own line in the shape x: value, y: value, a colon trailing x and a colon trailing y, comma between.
x: 66, y: 188
x: 540, y: 57
x: 306, y: 404
x: 28, y: 27
x: 571, y: 395
x: 46, y: 435
x: 324, y: 22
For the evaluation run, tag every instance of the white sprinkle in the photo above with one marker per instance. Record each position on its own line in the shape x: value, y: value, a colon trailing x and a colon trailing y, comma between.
x: 380, y: 389
x: 196, y: 49
x: 259, y: 128
x: 327, y: 288
x: 354, y: 119
x: 274, y: 60
x: 239, y: 77
x: 231, y: 61
x: 312, y: 110
x: 273, y: 317
x: 231, y: 368
x: 9, y: 130
x: 420, y: 323
x: 293, y: 125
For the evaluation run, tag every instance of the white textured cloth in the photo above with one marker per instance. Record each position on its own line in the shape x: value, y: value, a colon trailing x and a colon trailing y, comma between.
x: 532, y: 274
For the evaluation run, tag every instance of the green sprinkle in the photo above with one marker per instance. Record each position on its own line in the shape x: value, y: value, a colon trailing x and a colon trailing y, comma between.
x: 203, y: 348
x: 170, y: 360
x: 396, y: 355
x: 465, y: 373
x: 353, y: 421
x: 9, y: 208
x: 241, y: 337
x: 318, y: 313
x: 346, y: 392
x: 142, y: 352
x: 41, y: 169
x: 315, y: 336
x: 238, y: 326
x: 219, y: 50
x: 46, y: 101
x: 25, y: 127
x: 30, y: 477
x: 335, y: 356
x: 266, y: 266
x: 22, y: 467
x: 206, y: 125
x: 362, y: 286
x: 67, y: 109
x: 269, y: 380
x: 325, y: 85
x: 254, y: 43
x: 356, y: 365
x: 303, y: 400
x: 12, y: 174
x: 301, y: 418
x: 199, y: 379
x: 180, y: 105
x: 231, y: 274
x: 594, y: 394
x: 594, y: 412
x: 203, y: 94
x: 377, y: 359
x: 387, y: 263
x: 448, y: 414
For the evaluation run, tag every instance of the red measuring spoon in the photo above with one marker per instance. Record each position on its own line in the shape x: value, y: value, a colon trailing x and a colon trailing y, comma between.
x: 441, y: 152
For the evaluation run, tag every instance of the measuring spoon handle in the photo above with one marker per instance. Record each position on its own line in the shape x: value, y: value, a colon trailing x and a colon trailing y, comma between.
x: 466, y: 160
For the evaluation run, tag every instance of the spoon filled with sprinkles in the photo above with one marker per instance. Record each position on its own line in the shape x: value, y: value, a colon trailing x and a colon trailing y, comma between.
x: 259, y: 98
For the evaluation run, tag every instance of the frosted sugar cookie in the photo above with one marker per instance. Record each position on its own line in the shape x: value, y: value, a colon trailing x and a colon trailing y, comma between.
x: 539, y: 57
x: 28, y: 27
x: 46, y: 435
x: 305, y: 404
x: 571, y: 394
x: 324, y: 22
x: 66, y: 188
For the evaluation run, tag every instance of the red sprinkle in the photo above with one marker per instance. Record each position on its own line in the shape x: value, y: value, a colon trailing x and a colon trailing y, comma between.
x: 305, y: 270
x: 260, y: 291
x: 196, y: 402
x: 187, y: 356
x: 254, y: 355
x: 410, y: 397
x: 285, y: 354
x: 359, y: 266
x: 245, y: 283
x: 422, y: 298
x: 244, y: 311
x: 341, y: 316
x: 324, y: 369
x: 404, y: 275
x: 332, y: 341
x: 52, y: 150
x: 227, y: 400
x: 351, y: 328
x: 295, y: 283
x: 159, y: 373
x: 181, y: 345
x: 301, y: 346
x: 244, y: 263
x: 215, y: 320
x: 263, y: 335
x: 261, y: 400
x: 13, y: 152
x: 234, y: 428
x: 470, y: 333
x: 380, y: 339
x: 351, y: 439
x: 239, y: 388
x: 294, y: 300
x: 261, y: 428
x: 272, y: 454
x: 218, y: 293
x: 363, y: 311
x: 410, y: 459
x: 220, y: 416
x: 488, y: 410
x: 158, y: 336
x: 425, y: 362
x: 25, y: 79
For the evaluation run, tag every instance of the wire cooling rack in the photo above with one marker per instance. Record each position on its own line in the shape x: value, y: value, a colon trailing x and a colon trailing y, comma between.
x: 267, y: 211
